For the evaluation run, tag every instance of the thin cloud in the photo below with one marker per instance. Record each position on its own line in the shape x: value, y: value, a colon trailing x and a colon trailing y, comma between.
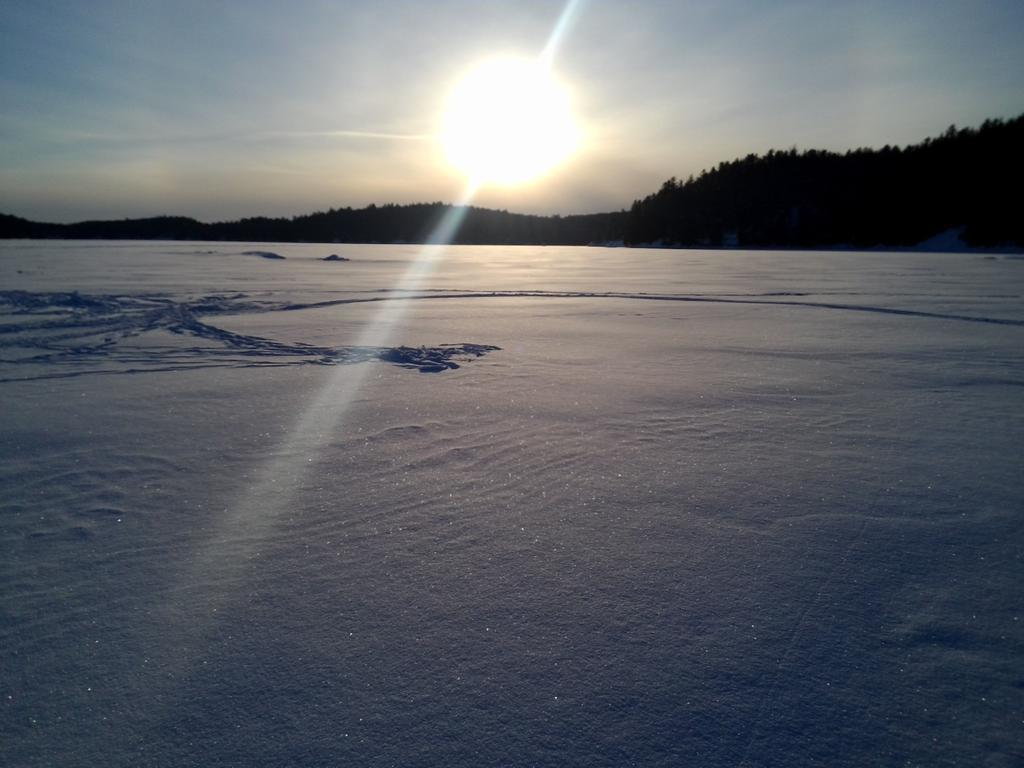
x: 149, y: 139
x: 345, y: 134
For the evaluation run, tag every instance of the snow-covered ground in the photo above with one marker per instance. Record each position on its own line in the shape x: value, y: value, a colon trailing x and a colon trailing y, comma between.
x: 545, y: 507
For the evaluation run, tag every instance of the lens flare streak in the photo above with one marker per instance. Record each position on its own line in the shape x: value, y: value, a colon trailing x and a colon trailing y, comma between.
x: 218, y: 569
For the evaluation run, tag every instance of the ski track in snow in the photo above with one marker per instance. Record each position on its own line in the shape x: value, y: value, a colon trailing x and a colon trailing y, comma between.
x: 81, y: 333
x: 72, y: 329
x: 759, y: 298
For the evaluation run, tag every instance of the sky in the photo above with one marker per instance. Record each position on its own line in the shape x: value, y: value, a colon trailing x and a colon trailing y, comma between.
x: 219, y: 110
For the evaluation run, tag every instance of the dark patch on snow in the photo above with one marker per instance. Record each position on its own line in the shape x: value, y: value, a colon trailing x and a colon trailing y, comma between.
x: 264, y: 254
x: 335, y: 257
x: 435, y: 359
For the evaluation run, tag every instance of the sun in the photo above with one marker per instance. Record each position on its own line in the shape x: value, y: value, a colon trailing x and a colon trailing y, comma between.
x: 508, y: 122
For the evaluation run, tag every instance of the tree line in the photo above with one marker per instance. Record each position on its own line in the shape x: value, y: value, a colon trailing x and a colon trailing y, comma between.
x: 373, y: 224
x: 966, y: 178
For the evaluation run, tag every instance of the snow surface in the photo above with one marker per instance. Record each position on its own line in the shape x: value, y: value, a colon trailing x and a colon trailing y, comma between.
x: 701, y: 508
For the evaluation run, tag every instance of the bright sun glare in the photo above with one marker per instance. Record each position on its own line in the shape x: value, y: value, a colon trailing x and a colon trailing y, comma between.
x: 508, y: 122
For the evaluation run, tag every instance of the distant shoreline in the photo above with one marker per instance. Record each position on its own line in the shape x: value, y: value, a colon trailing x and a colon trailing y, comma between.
x: 1010, y: 250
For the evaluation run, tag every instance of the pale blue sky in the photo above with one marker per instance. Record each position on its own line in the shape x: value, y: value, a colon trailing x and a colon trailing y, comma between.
x: 224, y: 109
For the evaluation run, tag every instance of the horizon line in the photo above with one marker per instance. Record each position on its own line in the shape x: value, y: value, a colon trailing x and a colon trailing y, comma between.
x: 368, y: 206
x: 623, y: 209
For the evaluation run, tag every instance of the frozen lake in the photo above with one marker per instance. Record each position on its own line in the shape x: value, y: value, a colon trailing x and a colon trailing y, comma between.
x: 539, y: 507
